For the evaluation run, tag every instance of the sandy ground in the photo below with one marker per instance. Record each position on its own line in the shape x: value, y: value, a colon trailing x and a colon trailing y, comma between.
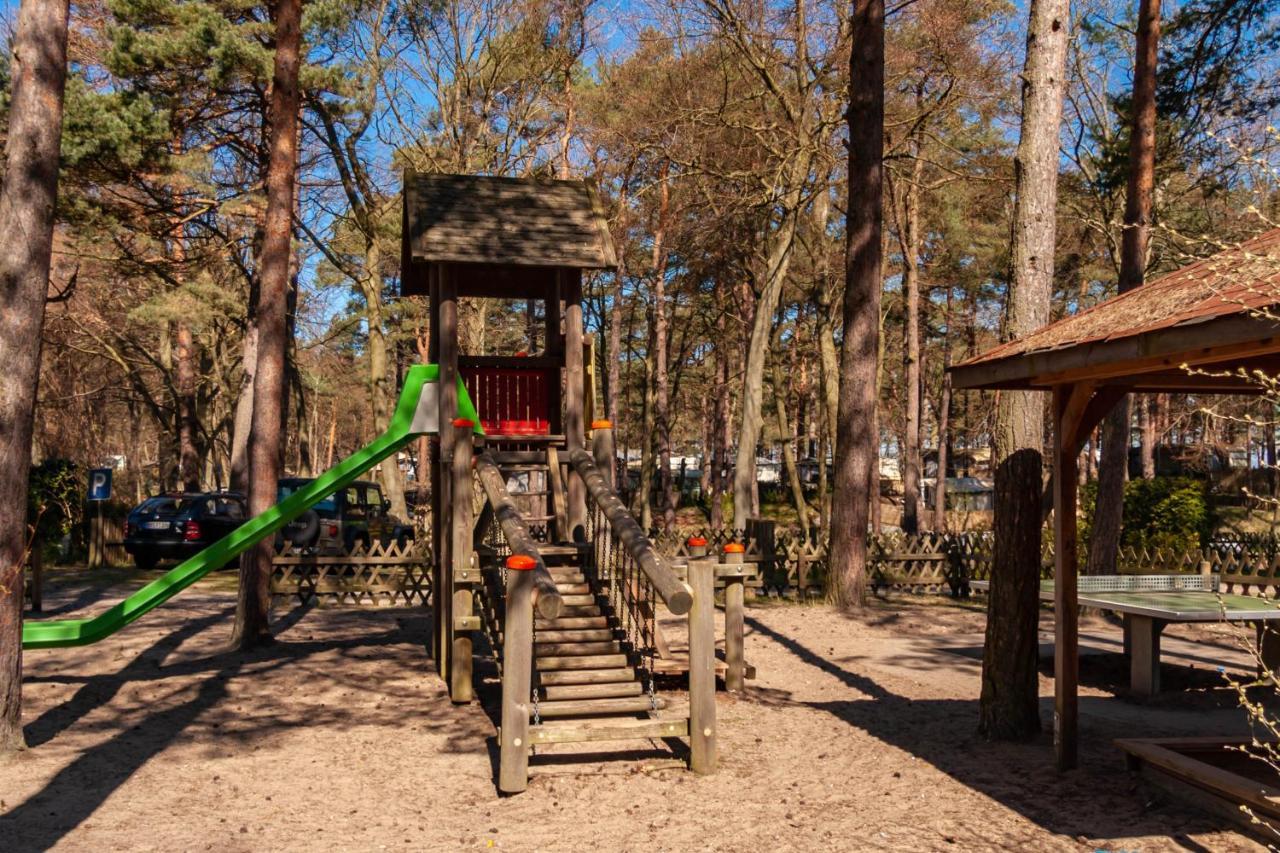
x: 858, y: 734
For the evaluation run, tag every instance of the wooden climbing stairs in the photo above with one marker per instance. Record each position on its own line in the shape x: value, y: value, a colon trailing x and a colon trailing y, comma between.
x: 568, y: 602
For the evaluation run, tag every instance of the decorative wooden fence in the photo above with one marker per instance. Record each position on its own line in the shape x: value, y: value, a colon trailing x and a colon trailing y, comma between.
x: 790, y: 565
x: 380, y: 576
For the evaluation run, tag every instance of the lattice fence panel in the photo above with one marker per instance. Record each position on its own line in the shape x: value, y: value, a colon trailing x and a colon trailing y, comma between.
x: 381, y: 575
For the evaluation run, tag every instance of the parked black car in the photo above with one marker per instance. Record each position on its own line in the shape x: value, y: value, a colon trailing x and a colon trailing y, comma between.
x: 356, y: 515
x: 175, y: 526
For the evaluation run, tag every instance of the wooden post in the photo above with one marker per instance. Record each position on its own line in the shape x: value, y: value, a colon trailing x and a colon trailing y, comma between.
x: 432, y: 273
x: 1144, y: 654
x: 702, y: 668
x: 447, y: 358
x: 574, y: 387
x: 602, y: 449
x: 460, y: 683
x: 735, y: 676
x: 517, y: 676
x: 97, y: 557
x: 1066, y: 613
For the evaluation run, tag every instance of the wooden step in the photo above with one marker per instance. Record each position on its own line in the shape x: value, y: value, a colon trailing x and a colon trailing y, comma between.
x: 586, y: 676
x: 586, y: 635
x: 605, y: 647
x: 583, y: 731
x: 562, y: 550
x: 607, y: 690
x: 571, y: 578
x: 580, y: 611
x: 571, y: 623
x: 551, y: 662
x: 588, y: 707
x: 568, y: 590
x: 581, y: 600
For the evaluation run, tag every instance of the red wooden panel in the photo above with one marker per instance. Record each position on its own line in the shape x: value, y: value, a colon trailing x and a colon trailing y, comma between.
x: 510, y: 401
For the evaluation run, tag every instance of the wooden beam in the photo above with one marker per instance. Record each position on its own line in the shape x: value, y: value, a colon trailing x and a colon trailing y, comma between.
x: 447, y: 348
x: 1068, y: 416
x: 574, y: 388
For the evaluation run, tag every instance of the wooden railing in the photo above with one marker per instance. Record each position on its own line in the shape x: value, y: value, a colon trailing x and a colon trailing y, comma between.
x: 636, y: 576
x: 529, y: 588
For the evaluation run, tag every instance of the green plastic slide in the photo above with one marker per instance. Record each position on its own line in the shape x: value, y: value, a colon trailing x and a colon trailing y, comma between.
x: 416, y: 414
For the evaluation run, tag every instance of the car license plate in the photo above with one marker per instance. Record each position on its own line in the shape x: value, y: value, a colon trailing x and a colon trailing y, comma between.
x: 156, y: 525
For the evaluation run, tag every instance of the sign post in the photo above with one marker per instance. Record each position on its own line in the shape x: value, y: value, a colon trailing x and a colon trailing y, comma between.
x: 99, y: 492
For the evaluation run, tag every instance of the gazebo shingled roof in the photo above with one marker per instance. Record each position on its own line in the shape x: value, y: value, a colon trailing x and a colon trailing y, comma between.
x: 1213, y: 312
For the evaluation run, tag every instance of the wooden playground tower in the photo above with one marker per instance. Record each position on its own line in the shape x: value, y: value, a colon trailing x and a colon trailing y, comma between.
x: 555, y: 572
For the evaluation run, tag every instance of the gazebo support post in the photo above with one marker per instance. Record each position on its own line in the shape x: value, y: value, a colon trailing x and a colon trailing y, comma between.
x: 1077, y: 409
x: 1066, y: 615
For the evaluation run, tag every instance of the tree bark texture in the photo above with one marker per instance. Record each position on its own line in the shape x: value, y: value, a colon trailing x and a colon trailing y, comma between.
x: 855, y: 451
x: 253, y: 602
x: 1008, y: 706
x: 661, y: 383
x: 27, y: 201
x: 778, y: 262
x: 1108, y: 514
x: 909, y: 245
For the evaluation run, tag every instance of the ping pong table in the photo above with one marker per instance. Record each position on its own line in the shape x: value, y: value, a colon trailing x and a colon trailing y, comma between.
x: 1148, y: 603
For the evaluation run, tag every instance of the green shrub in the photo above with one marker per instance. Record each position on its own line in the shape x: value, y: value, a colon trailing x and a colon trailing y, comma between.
x: 55, y: 490
x: 1164, y: 512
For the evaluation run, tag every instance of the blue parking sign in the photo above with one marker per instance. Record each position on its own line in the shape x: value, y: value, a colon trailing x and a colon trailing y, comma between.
x: 100, y: 484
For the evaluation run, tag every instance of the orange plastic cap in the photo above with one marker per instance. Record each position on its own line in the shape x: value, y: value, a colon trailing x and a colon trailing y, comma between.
x: 602, y: 424
x: 464, y: 423
x: 697, y: 541
x: 734, y: 548
x: 521, y: 562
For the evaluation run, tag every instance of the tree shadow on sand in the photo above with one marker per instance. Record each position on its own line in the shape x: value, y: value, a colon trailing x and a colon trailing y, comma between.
x: 1094, y: 802
x: 83, y: 785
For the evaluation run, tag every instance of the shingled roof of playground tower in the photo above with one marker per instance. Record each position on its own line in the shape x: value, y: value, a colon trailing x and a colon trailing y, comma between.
x: 1221, y: 310
x: 476, y: 219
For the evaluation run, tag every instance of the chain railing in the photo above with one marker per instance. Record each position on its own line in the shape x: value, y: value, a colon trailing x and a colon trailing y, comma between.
x: 632, y: 597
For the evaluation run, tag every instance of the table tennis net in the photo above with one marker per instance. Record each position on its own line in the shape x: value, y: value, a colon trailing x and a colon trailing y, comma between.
x: 1147, y: 583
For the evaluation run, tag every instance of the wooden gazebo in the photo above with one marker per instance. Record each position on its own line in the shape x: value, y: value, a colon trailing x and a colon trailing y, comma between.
x: 1204, y: 329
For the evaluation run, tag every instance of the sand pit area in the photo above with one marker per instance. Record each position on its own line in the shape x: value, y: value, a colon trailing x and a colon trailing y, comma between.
x: 858, y: 734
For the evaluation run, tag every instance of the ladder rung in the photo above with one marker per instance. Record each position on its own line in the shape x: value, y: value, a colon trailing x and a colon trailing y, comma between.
x: 582, y: 731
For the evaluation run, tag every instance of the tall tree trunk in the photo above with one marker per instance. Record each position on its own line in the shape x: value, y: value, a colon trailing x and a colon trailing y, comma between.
x: 859, y: 350
x: 254, y: 601
x: 27, y: 199
x: 661, y: 385
x: 185, y: 373
x: 614, y: 344
x: 642, y: 505
x: 778, y: 262
x: 944, y: 452
x: 787, y: 437
x: 909, y: 244
x: 1009, y: 705
x: 381, y: 392
x: 1108, y: 515
x: 1147, y: 407
x: 242, y: 417
x: 719, y: 427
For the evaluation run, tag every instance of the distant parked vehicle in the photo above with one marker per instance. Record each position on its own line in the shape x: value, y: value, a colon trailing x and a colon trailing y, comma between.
x: 174, y: 526
x: 355, y: 515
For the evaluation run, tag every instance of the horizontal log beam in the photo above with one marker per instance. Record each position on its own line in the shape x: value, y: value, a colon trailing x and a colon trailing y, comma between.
x: 677, y: 596
x: 546, y: 597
